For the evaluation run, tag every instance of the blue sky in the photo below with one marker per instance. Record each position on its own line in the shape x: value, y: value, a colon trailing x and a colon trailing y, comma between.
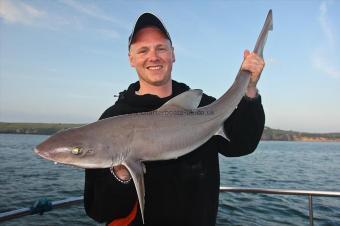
x: 64, y: 60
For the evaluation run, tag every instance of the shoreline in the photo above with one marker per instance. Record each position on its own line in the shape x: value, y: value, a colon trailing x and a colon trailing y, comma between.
x: 269, y: 134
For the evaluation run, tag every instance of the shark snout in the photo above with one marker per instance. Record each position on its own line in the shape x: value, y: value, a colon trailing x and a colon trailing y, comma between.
x: 36, y: 150
x: 41, y: 153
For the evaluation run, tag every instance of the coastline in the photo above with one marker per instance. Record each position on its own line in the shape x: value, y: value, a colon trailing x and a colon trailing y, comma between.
x: 269, y: 134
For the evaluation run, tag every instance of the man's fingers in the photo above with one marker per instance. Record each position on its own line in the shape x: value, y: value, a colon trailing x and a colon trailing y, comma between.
x: 246, y: 53
x: 254, y: 64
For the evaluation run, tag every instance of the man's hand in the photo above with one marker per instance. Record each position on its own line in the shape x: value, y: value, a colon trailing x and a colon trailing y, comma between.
x: 254, y: 64
x: 121, y: 172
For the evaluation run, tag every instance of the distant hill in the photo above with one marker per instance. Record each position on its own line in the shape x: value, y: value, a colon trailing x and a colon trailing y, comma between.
x: 34, y: 128
x: 284, y: 135
x: 268, y: 134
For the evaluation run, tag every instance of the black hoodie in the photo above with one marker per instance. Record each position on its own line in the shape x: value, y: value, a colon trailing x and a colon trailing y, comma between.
x: 183, y: 191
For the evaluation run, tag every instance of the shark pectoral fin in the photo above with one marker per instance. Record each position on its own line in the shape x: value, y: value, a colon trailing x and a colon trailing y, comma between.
x: 221, y: 133
x: 188, y: 100
x: 135, y: 168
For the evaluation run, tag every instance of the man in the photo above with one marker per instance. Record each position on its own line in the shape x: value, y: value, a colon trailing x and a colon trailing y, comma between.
x: 182, y: 191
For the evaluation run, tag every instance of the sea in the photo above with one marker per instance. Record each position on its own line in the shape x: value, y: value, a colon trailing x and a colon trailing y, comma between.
x: 25, y: 178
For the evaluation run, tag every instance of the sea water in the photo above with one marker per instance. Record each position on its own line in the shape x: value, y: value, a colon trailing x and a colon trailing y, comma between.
x: 26, y: 177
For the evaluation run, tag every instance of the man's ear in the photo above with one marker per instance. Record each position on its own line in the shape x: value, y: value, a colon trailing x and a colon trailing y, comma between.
x: 131, y: 59
x: 173, y: 55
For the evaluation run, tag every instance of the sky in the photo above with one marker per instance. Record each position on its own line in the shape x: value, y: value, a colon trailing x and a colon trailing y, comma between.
x: 64, y: 61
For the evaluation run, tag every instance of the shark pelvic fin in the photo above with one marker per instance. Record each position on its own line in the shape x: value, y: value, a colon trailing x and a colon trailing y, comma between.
x: 188, y: 100
x: 136, y: 170
x: 221, y: 133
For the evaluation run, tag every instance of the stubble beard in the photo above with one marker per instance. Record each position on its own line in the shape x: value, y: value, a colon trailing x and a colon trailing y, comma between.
x: 161, y: 82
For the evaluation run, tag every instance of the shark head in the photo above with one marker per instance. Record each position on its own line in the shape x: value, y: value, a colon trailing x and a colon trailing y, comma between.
x: 73, y: 147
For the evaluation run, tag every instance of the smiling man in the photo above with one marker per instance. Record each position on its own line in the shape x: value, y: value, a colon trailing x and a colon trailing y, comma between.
x: 152, y: 54
x: 182, y: 191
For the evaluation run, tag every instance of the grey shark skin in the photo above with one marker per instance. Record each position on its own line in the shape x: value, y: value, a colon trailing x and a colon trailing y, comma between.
x: 173, y: 130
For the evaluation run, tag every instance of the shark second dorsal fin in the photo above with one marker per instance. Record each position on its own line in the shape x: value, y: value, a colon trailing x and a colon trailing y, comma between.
x: 221, y: 133
x: 188, y: 100
x: 136, y: 170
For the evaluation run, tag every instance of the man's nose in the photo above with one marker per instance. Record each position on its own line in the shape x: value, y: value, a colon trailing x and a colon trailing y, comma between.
x: 153, y: 55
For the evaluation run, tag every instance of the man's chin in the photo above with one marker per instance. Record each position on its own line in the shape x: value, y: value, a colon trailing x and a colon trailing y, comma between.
x: 160, y: 82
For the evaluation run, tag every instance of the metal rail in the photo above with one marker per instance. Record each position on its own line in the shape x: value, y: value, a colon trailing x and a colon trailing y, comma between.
x: 77, y: 200
x: 13, y: 214
x: 310, y: 195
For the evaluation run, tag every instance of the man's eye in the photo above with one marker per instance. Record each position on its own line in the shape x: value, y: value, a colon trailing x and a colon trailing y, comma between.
x: 162, y: 49
x: 142, y: 51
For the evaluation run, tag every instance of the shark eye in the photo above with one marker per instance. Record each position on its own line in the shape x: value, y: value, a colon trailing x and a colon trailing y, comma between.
x: 76, y: 151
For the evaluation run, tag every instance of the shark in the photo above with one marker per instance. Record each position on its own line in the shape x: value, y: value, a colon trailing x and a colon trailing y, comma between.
x: 175, y: 129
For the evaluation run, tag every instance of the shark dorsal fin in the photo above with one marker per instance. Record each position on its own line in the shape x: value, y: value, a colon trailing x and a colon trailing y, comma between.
x: 188, y: 100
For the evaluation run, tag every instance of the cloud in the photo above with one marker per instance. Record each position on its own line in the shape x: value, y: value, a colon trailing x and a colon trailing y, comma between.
x: 93, y: 11
x: 325, y: 58
x: 272, y: 60
x: 325, y: 23
x: 111, y: 34
x: 20, y: 12
x: 89, y: 10
x: 325, y: 65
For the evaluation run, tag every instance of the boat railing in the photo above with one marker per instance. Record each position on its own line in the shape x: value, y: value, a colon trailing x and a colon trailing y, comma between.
x: 44, y: 205
x: 39, y: 207
x: 307, y: 193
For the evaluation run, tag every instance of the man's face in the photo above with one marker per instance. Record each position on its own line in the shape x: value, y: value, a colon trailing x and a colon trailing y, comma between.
x: 152, y: 55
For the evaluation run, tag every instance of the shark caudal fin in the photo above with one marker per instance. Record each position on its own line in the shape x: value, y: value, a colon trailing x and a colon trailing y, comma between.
x: 261, y: 40
x: 137, y: 173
